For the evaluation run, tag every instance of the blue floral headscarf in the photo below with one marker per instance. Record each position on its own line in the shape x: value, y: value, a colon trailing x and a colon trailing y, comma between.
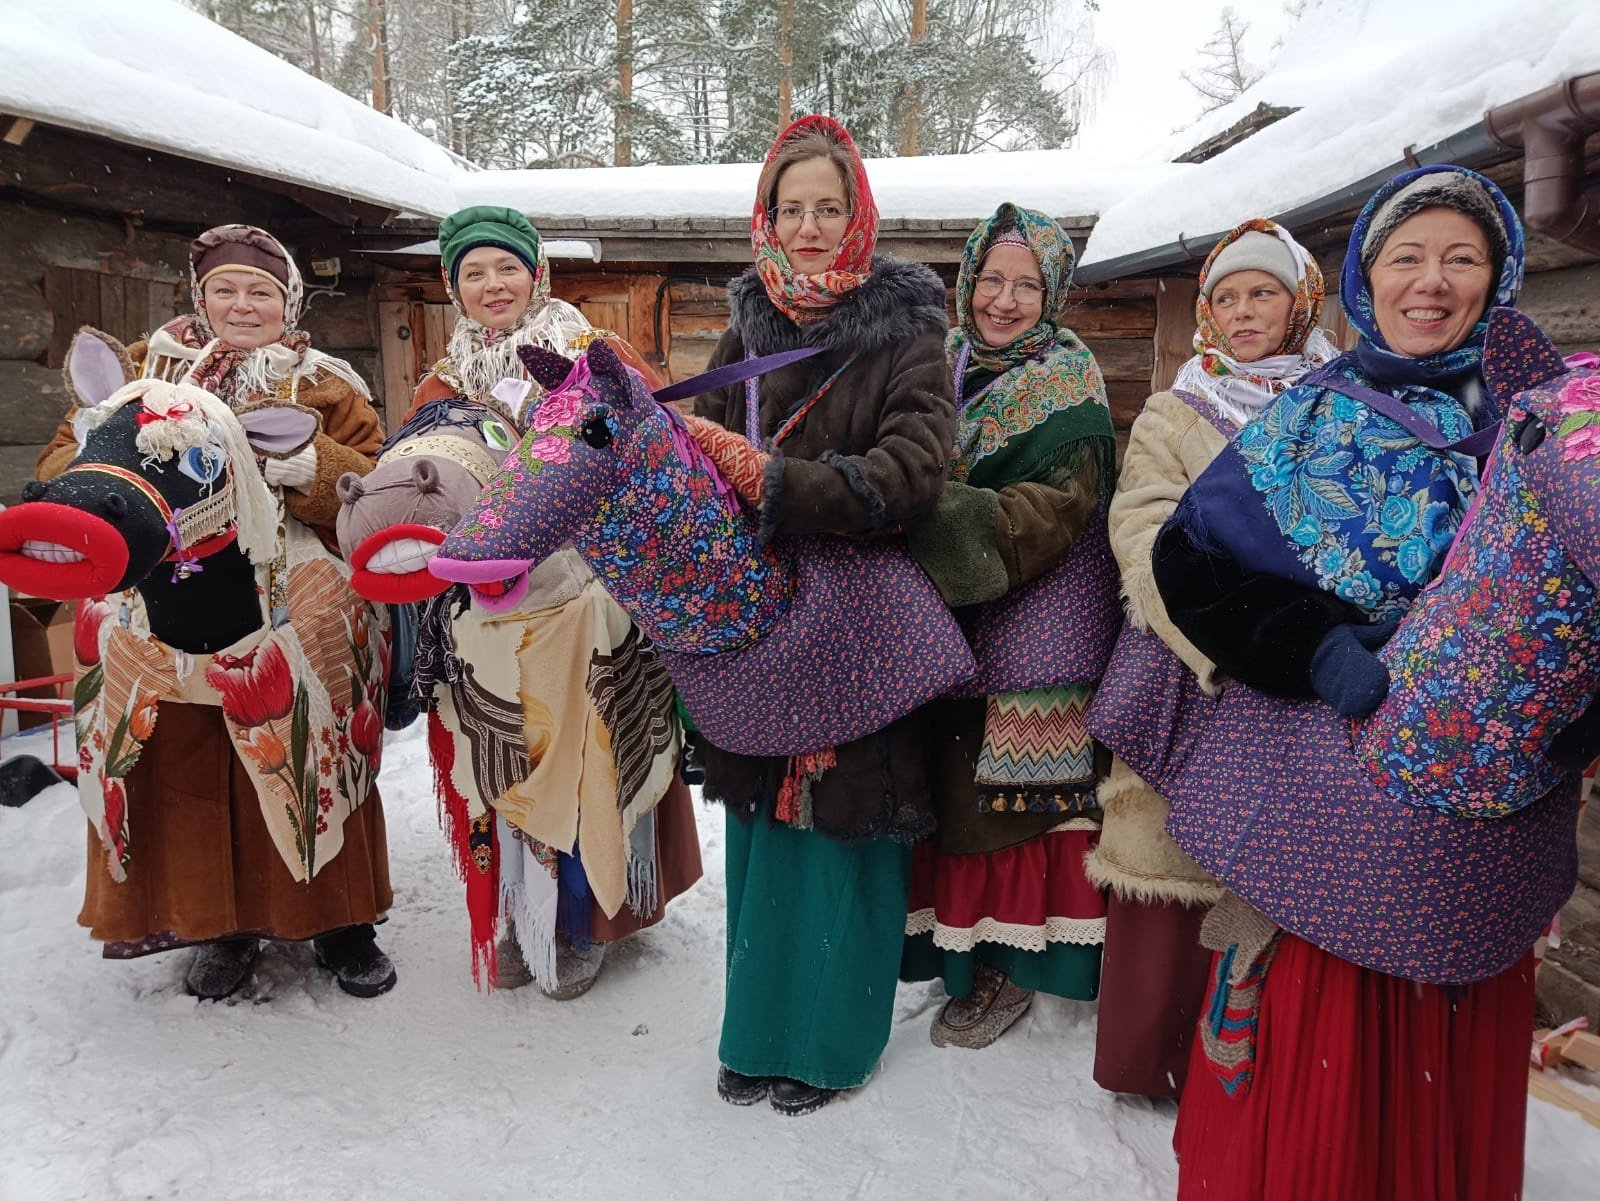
x: 1376, y: 361
x: 1323, y: 489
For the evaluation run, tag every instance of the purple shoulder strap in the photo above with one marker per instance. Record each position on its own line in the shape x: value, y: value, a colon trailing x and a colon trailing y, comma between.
x: 1476, y: 444
x: 746, y: 370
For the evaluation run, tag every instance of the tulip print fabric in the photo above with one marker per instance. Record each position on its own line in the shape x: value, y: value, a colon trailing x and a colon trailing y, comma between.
x: 303, y: 704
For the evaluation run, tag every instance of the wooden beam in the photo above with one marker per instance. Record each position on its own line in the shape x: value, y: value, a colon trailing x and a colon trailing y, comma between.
x: 15, y: 130
x: 1174, y: 340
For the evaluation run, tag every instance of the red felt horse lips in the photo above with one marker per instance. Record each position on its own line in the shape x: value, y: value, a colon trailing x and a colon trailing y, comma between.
x: 389, y: 588
x: 105, y: 553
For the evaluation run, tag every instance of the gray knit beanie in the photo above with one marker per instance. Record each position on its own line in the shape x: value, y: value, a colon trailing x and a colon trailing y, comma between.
x: 1438, y: 189
x: 1253, y: 251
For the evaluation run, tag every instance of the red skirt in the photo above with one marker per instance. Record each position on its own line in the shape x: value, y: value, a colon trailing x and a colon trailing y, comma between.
x: 1367, y: 1088
x: 1025, y: 896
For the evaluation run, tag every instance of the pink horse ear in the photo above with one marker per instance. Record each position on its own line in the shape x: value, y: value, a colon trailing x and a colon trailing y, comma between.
x: 546, y: 366
x: 280, y: 430
x: 97, y: 365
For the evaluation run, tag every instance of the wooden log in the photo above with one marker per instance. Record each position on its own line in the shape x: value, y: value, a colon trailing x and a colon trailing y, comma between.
x: 1123, y: 358
x: 25, y: 322
x: 33, y: 400
x: 1112, y: 317
x: 34, y: 237
x: 1566, y: 304
x: 95, y: 173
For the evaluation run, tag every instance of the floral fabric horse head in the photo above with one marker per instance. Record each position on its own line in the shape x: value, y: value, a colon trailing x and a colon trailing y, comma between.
x: 775, y: 650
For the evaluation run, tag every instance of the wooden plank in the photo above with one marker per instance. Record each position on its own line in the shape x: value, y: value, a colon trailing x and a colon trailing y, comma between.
x: 16, y: 130
x: 689, y: 356
x: 1548, y: 1086
x: 33, y: 400
x: 438, y: 322
x: 161, y: 303
x: 26, y: 323
x: 606, y: 314
x: 1173, y: 344
x: 113, y: 300
x: 393, y: 391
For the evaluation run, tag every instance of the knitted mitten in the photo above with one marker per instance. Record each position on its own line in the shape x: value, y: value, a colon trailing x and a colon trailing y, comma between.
x: 741, y: 464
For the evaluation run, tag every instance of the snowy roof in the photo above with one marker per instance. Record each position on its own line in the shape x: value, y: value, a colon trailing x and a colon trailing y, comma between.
x: 961, y: 187
x: 1370, y: 78
x: 159, y: 75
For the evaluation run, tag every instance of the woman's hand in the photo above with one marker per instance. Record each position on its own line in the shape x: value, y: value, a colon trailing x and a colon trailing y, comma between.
x: 742, y: 465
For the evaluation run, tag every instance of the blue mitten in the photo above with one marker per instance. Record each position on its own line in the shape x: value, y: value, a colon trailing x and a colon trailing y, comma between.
x: 1347, y: 673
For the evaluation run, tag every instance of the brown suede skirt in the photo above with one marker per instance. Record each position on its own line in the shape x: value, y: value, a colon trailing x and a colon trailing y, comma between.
x: 677, y: 866
x: 202, y: 863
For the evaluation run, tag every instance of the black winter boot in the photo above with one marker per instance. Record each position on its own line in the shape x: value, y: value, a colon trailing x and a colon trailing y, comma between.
x: 738, y: 1089
x: 219, y: 968
x: 795, y: 1097
x: 351, y: 953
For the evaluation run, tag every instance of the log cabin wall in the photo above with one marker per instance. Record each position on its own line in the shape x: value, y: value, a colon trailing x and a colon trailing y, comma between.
x: 93, y: 232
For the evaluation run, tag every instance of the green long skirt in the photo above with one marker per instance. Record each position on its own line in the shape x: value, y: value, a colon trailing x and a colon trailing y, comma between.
x: 814, y: 934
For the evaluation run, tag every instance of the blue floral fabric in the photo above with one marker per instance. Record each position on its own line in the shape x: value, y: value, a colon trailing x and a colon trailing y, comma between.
x: 1325, y: 490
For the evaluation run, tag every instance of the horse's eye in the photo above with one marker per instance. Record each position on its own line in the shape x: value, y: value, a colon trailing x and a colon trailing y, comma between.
x: 596, y: 432
x: 1530, y: 433
x: 495, y: 435
x: 203, y: 464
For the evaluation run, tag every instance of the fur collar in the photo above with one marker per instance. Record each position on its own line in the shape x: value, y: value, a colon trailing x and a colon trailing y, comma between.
x: 899, y: 301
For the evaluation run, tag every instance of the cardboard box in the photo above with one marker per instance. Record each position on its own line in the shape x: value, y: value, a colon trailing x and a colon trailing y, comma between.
x: 41, y: 645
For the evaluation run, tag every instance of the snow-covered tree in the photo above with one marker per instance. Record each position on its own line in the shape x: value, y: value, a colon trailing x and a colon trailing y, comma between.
x: 1225, y: 74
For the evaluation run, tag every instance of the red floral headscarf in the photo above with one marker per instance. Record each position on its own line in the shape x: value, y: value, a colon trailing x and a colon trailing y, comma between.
x: 807, y: 298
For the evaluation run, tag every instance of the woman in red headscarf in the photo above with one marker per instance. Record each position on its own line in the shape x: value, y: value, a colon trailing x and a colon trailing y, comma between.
x: 851, y: 442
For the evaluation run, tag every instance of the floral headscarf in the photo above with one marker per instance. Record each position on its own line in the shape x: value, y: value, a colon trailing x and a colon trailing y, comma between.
x: 1237, y: 390
x: 1374, y: 356
x: 1044, y: 397
x: 187, y: 348
x: 807, y: 298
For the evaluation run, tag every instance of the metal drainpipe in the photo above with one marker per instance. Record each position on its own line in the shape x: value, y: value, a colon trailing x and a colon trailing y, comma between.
x: 1550, y: 128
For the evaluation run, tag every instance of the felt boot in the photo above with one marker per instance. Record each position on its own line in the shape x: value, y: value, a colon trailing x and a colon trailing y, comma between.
x: 351, y: 953
x: 220, y: 967
x: 976, y: 1020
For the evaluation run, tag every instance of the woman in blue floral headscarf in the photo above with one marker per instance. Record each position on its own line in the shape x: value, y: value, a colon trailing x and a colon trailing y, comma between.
x: 1291, y: 557
x: 1315, y: 1078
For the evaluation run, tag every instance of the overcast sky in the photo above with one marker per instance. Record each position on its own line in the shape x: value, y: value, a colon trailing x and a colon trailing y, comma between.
x: 1154, y: 41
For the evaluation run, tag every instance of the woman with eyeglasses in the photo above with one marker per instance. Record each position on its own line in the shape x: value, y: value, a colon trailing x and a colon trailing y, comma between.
x: 1000, y: 905
x: 852, y: 443
x: 1260, y: 298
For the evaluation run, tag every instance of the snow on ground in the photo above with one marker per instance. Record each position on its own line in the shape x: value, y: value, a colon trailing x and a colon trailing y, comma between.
x: 1371, y: 78
x: 115, y: 1085
x: 158, y: 74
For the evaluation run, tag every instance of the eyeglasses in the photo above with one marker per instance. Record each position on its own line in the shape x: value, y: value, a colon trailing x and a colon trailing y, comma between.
x: 992, y: 283
x: 791, y: 215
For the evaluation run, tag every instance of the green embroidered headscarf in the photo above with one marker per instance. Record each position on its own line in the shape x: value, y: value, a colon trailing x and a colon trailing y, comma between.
x: 1037, y: 404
